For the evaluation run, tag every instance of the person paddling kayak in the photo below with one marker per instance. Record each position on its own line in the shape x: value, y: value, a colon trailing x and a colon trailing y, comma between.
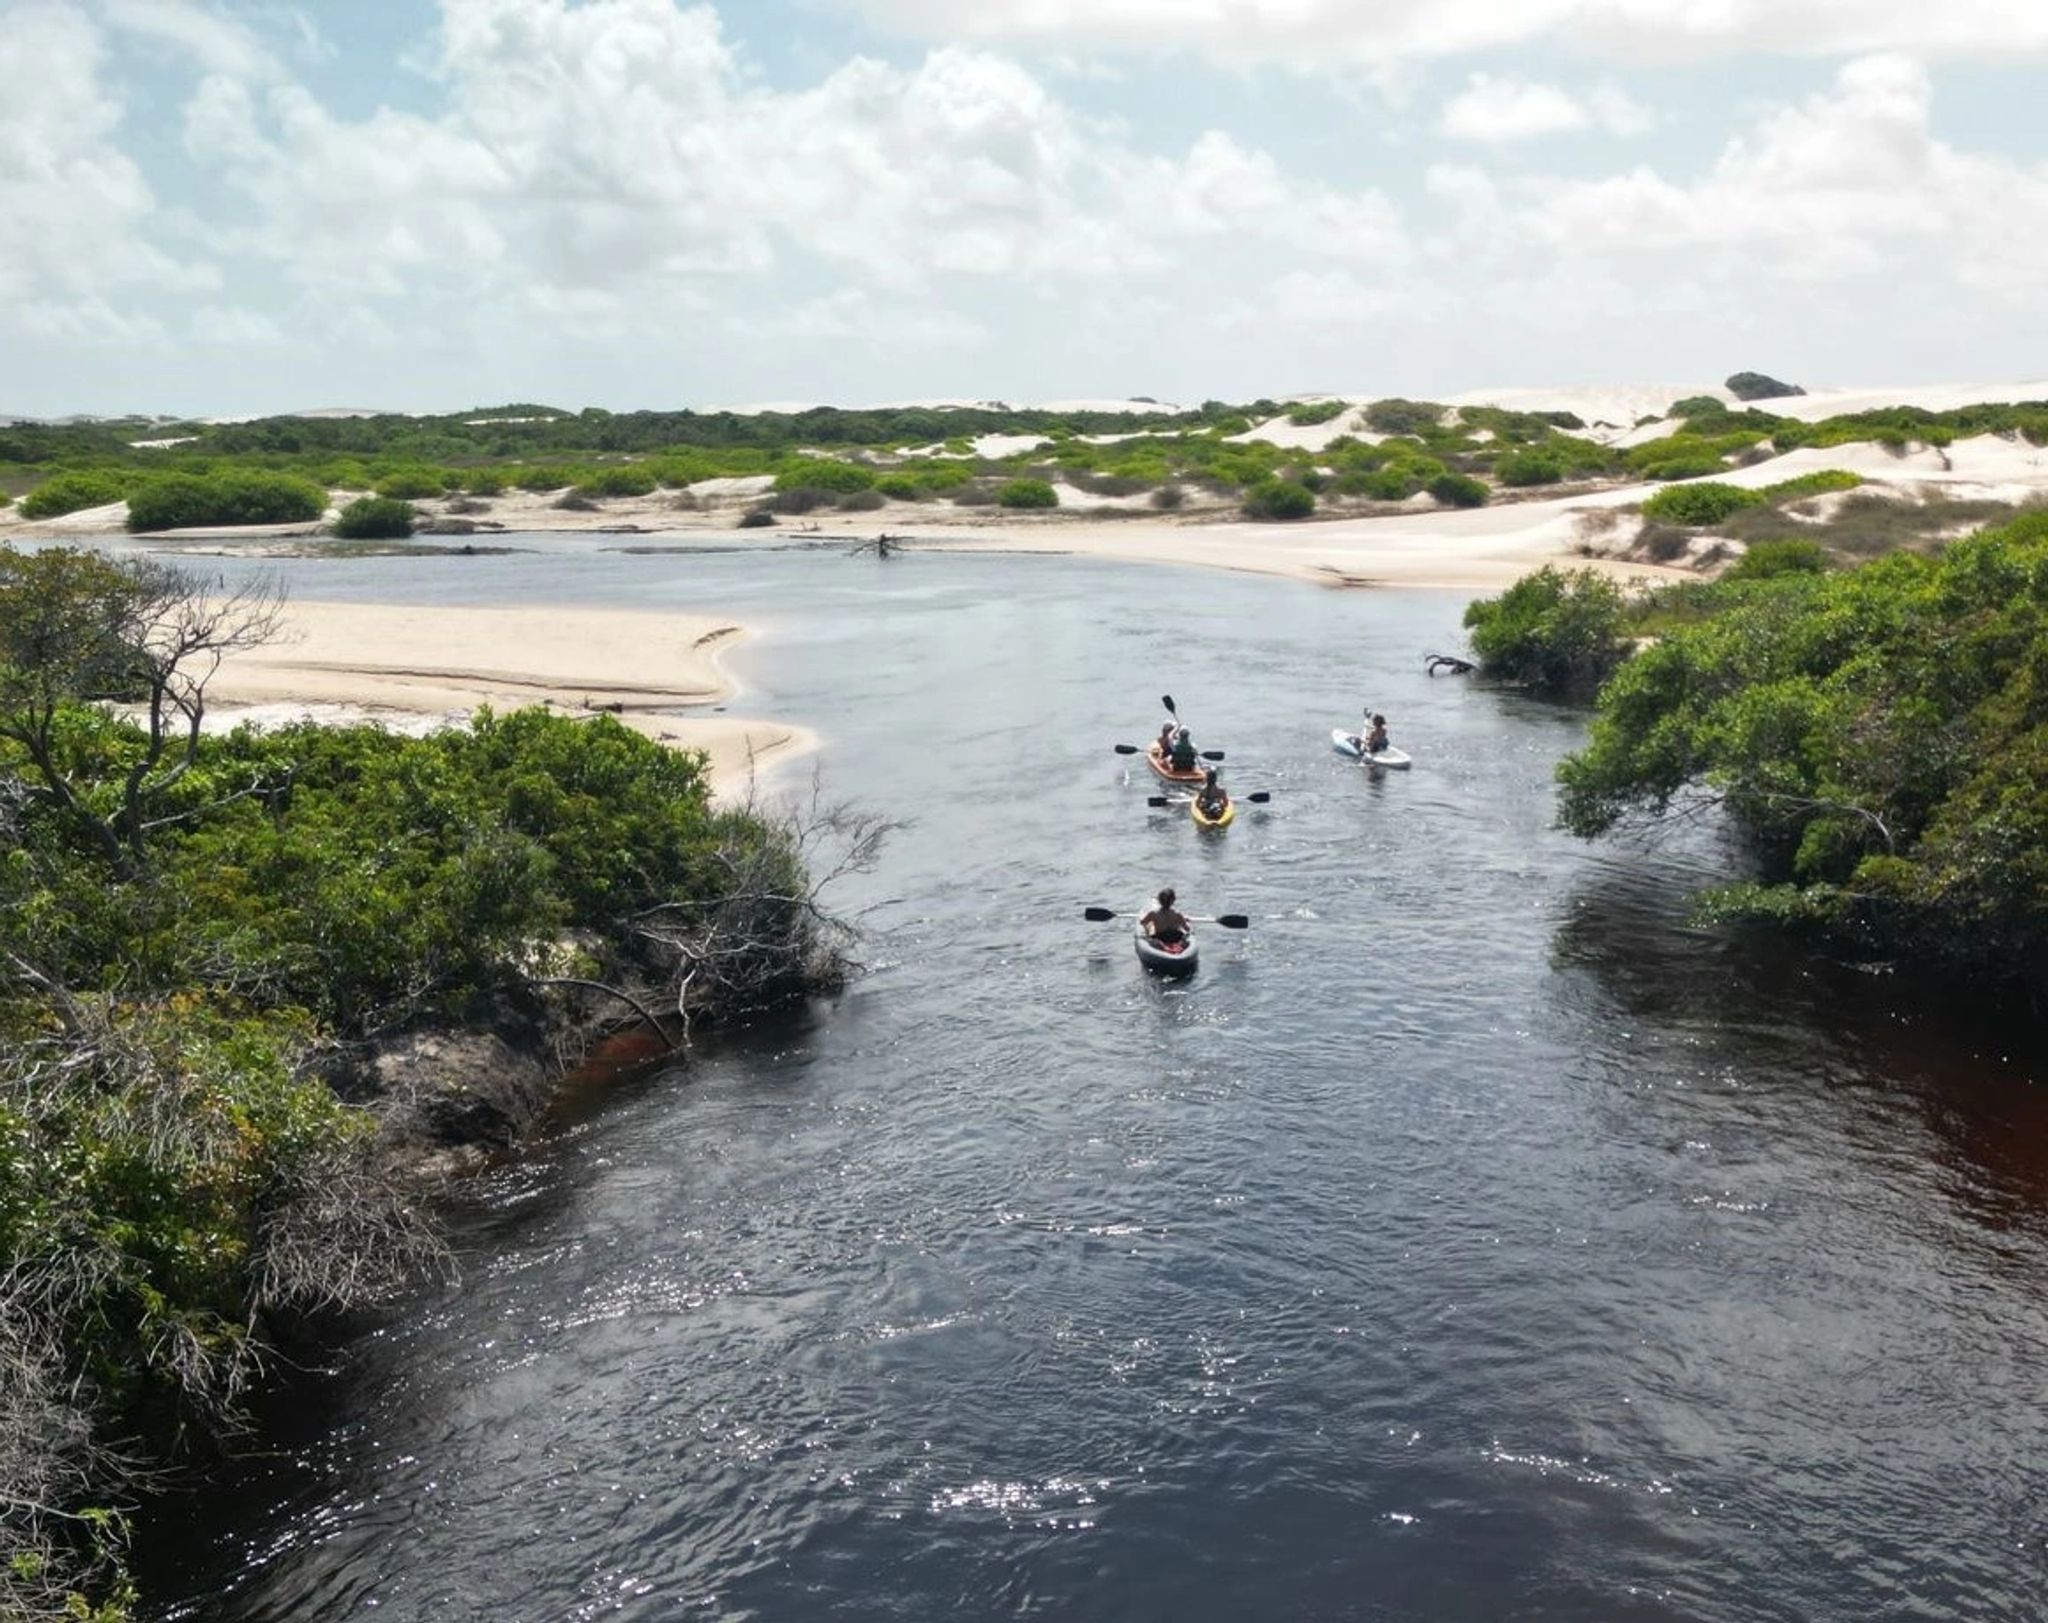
x: 1165, y: 924
x: 1180, y: 755
x: 1377, y: 739
x: 1212, y: 797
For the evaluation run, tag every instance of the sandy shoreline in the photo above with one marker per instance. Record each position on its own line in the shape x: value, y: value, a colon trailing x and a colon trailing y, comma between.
x: 393, y: 661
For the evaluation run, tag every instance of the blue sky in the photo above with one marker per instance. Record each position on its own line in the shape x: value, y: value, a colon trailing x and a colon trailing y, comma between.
x: 218, y: 207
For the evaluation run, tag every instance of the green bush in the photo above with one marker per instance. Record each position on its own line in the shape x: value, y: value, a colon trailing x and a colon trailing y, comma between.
x: 374, y: 518
x: 1824, y: 481
x: 1311, y: 413
x: 1169, y: 498
x: 183, y: 501
x: 823, y: 473
x: 1279, y: 499
x: 900, y: 487
x: 1697, y: 504
x: 483, y: 482
x: 1558, y: 631
x: 1698, y: 405
x: 72, y: 492
x: 1759, y: 386
x: 803, y: 499
x: 756, y: 518
x: 1403, y: 416
x: 412, y: 484
x: 1027, y: 493
x: 1537, y: 467
x: 862, y: 501
x: 1458, y: 490
x: 1765, y: 560
x: 629, y: 480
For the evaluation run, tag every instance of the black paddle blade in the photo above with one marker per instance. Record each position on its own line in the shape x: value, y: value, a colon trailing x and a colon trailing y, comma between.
x: 1259, y: 798
x: 1167, y: 700
x: 1234, y: 921
x: 1212, y: 755
x: 1125, y: 749
x: 1157, y: 800
x: 1097, y: 915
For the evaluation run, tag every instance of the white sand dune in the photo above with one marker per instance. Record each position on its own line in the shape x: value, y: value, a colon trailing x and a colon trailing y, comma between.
x: 412, y: 662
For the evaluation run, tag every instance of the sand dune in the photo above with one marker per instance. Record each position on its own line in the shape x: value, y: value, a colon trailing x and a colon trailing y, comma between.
x: 408, y: 662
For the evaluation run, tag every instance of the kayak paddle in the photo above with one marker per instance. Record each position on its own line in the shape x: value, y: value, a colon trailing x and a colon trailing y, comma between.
x: 1227, y: 921
x: 1133, y: 749
x: 1259, y: 797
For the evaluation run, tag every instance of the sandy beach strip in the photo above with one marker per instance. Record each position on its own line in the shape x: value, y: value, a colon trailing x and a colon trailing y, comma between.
x: 410, y: 661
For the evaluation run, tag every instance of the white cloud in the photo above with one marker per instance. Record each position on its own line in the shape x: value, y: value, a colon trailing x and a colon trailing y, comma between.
x: 217, y: 43
x: 1848, y: 180
x: 1346, y: 35
x: 1504, y: 110
x: 619, y: 151
x: 78, y: 211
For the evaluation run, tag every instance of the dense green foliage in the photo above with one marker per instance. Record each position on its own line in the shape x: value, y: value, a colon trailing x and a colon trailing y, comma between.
x: 180, y: 933
x: 1560, y: 631
x: 1458, y: 490
x: 1759, y: 386
x: 70, y: 492
x: 1789, y: 557
x: 1708, y: 502
x: 1882, y: 735
x: 181, y: 501
x: 1312, y: 413
x: 374, y: 518
x: 1282, y: 499
x: 1027, y: 493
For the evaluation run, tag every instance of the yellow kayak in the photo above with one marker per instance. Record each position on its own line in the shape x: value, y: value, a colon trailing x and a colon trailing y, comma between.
x: 1202, y: 820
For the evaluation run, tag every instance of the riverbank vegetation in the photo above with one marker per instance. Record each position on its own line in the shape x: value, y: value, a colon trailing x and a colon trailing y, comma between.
x: 204, y: 941
x: 1382, y: 452
x: 1878, y: 733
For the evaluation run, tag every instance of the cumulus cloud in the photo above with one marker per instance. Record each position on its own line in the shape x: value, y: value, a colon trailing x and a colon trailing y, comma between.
x: 1344, y: 35
x: 1850, y: 180
x: 79, y: 214
x: 620, y: 150
x: 1493, y: 109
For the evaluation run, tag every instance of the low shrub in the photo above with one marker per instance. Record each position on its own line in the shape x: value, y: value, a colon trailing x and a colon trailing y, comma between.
x: 411, y: 484
x: 181, y: 501
x: 1705, y: 503
x: 1403, y: 416
x: 1822, y: 482
x: 1765, y: 560
x: 1169, y: 498
x: 803, y: 499
x: 1533, y: 467
x: 862, y: 501
x: 575, y: 501
x: 71, y: 493
x: 1458, y: 490
x: 628, y: 480
x: 1683, y: 467
x: 374, y: 518
x: 1312, y: 413
x: 823, y: 473
x: 1027, y: 493
x: 1279, y: 499
x: 1759, y: 386
x: 755, y: 518
x: 900, y: 487
x: 483, y: 482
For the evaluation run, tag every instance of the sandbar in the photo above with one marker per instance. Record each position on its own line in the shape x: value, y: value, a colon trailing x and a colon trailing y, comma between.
x: 652, y: 670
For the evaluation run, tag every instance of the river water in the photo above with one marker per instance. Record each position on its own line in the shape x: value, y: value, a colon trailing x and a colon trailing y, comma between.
x: 1470, y: 1240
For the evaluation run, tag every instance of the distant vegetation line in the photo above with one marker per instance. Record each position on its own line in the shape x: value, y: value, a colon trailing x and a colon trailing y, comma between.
x: 274, y: 469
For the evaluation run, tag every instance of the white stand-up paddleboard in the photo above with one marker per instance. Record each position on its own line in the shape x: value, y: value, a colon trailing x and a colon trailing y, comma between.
x: 1353, y: 745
